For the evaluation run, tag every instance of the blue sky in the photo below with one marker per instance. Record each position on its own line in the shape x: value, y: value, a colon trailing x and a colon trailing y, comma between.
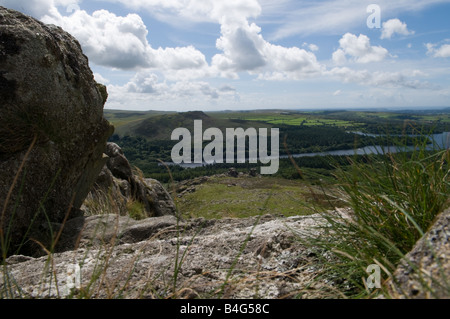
x: 181, y: 55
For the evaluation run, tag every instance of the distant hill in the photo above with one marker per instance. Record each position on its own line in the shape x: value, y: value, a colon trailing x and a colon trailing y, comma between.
x: 154, y: 126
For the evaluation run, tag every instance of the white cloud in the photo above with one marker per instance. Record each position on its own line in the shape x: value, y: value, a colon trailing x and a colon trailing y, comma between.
x: 333, y: 16
x: 394, y: 26
x: 107, y: 39
x: 146, y: 90
x: 149, y: 83
x: 197, y: 10
x: 176, y: 75
x: 144, y: 82
x: 245, y: 49
x: 339, y: 57
x: 100, y: 79
x: 179, y: 58
x: 290, y: 63
x: 121, y: 42
x: 312, y: 47
x: 442, y: 52
x: 39, y: 8
x: 401, y: 79
x: 359, y: 49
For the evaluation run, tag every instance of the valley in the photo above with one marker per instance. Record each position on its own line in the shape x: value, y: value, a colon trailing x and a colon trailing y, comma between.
x: 145, y: 137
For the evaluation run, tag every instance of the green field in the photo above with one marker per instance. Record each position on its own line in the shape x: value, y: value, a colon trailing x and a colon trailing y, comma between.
x: 137, y: 123
x: 296, y: 120
x: 228, y: 197
x: 299, y: 121
x: 355, y: 120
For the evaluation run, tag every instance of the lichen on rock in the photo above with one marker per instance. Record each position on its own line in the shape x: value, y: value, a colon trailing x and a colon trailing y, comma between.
x: 47, y: 95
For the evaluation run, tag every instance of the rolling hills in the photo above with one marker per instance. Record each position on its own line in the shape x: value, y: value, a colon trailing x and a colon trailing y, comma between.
x: 159, y: 126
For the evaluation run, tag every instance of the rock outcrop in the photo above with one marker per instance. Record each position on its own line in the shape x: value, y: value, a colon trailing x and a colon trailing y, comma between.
x: 257, y: 257
x: 164, y: 257
x: 119, y: 186
x: 425, y: 270
x: 52, y: 130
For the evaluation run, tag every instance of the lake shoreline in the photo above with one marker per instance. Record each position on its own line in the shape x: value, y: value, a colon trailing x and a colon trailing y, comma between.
x: 441, y: 140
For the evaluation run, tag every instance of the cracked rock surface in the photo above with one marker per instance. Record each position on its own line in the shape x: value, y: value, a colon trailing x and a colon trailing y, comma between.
x: 229, y: 258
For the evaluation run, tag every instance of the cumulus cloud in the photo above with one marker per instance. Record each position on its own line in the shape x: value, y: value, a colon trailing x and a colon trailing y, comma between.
x: 100, y: 79
x: 438, y: 52
x: 121, y: 42
x: 107, y: 39
x: 290, y: 63
x: 179, y: 58
x: 298, y: 17
x: 245, y: 49
x: 394, y: 26
x: 174, y: 73
x: 144, y: 82
x: 339, y: 57
x: 198, y: 88
x: 443, y: 51
x: 149, y: 83
x: 359, y: 49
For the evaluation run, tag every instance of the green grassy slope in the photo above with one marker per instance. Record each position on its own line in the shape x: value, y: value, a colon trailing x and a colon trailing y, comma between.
x: 157, y: 126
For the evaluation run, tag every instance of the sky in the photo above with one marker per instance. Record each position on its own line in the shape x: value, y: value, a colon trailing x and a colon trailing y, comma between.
x: 213, y: 55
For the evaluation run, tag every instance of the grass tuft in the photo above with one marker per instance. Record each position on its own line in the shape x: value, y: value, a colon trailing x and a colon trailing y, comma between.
x: 394, y: 199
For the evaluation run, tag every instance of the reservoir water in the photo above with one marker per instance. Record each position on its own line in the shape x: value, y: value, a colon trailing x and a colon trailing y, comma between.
x: 437, y: 141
